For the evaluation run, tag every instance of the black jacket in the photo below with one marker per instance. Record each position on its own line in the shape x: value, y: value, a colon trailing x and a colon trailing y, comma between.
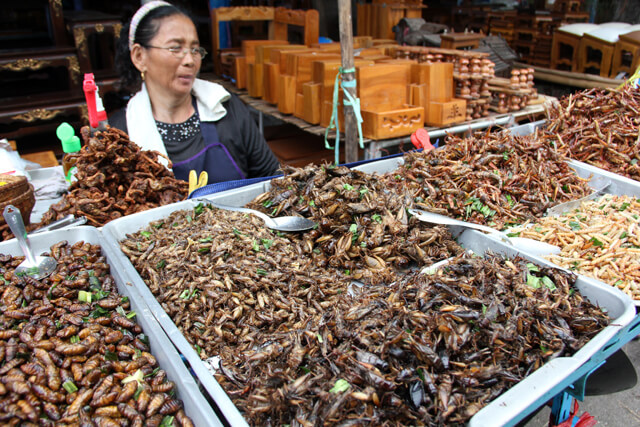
x: 239, y: 133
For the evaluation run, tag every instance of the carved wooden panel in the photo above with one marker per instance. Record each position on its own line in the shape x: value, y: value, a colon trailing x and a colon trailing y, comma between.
x: 392, y: 123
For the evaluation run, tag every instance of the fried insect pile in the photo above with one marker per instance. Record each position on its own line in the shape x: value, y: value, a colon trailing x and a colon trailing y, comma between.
x: 494, y: 179
x: 600, y: 127
x: 300, y: 343
x: 116, y: 178
x: 363, y: 227
x: 225, y: 279
x: 429, y: 350
x: 68, y: 360
x: 600, y: 239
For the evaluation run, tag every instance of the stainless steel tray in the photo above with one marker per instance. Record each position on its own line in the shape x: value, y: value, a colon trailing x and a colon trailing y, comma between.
x: 509, y: 408
x: 195, y: 404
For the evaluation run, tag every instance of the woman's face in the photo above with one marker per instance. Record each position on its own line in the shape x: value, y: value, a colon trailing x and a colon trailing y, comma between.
x: 164, y: 71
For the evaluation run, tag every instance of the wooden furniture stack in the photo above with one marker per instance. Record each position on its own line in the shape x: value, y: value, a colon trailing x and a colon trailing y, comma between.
x: 533, y: 38
x: 40, y: 75
x: 378, y: 18
x: 531, y: 34
x: 502, y: 23
x: 279, y: 19
x: 301, y: 79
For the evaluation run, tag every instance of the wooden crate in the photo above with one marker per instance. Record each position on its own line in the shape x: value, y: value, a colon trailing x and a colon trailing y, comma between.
x: 383, y: 90
x: 446, y: 113
x: 437, y: 78
x: 383, y: 86
x: 392, y: 123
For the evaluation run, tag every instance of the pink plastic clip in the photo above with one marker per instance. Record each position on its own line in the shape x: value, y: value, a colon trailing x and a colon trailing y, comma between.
x: 420, y: 139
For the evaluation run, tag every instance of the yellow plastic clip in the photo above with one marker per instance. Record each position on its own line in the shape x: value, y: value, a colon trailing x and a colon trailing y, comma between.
x: 197, y: 182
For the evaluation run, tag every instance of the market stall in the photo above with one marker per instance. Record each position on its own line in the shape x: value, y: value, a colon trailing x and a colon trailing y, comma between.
x: 169, y: 309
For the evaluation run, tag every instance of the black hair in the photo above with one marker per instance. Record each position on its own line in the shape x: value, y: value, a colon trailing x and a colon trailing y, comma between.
x: 146, y: 31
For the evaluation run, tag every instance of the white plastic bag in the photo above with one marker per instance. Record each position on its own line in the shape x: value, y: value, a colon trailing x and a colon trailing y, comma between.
x: 10, y: 161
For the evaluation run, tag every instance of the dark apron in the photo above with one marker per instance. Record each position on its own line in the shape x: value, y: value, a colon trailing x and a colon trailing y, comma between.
x: 215, y: 159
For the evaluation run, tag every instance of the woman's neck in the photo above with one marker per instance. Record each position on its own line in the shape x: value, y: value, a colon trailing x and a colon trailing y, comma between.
x: 168, y: 109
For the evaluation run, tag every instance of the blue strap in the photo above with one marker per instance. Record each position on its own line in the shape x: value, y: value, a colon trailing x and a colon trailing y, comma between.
x: 347, y: 100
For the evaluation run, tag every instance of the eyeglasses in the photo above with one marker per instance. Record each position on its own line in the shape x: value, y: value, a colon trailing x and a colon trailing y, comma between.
x: 181, y: 52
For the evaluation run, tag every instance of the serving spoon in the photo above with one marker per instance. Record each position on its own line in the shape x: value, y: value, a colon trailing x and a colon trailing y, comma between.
x: 531, y: 246
x: 281, y: 223
x: 37, y: 267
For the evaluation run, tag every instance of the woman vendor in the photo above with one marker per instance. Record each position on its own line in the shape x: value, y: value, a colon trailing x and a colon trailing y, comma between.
x: 196, y: 123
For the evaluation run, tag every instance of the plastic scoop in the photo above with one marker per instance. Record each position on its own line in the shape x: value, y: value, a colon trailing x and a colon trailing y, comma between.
x: 531, y: 246
x: 37, y: 267
x: 281, y: 223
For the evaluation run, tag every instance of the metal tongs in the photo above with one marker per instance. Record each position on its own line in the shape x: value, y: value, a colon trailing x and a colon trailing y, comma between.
x: 534, y: 247
x: 599, y: 184
x: 67, y: 221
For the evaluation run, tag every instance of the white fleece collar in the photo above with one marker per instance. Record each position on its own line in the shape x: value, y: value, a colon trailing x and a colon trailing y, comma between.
x: 142, y: 126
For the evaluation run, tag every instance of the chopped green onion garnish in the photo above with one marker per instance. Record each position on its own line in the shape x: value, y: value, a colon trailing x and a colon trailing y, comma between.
x: 84, y: 296
x: 137, y: 376
x: 70, y: 387
x: 340, y: 386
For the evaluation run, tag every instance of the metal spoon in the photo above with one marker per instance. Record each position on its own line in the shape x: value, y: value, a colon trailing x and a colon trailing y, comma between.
x: 282, y: 223
x: 37, y: 267
x: 531, y: 246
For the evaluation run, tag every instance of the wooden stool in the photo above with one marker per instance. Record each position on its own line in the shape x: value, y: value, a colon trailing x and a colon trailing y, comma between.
x: 564, y: 50
x: 626, y: 55
x: 596, y: 50
x: 460, y: 40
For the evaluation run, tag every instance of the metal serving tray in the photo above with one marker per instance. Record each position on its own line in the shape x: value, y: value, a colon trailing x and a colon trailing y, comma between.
x: 195, y: 404
x: 508, y: 409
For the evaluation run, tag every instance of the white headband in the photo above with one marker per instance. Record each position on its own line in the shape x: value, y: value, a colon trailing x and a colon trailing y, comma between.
x: 141, y: 13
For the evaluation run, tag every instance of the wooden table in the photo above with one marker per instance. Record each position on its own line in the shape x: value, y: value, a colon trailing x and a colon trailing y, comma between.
x: 45, y: 159
x: 460, y: 40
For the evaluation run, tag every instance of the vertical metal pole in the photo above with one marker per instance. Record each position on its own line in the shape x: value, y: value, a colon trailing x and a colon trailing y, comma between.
x: 346, y: 51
